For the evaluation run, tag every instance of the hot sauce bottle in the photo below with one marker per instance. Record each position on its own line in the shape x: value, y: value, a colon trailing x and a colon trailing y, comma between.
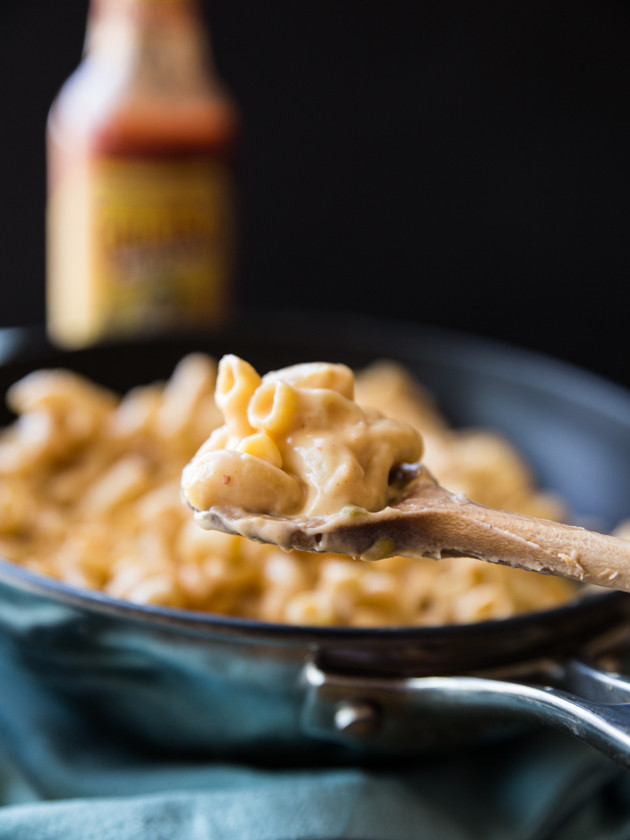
x: 141, y: 192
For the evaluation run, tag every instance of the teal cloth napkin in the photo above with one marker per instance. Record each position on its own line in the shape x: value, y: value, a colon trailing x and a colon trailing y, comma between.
x: 64, y: 778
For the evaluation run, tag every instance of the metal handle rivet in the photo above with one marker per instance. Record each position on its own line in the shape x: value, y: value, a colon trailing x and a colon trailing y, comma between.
x: 357, y: 717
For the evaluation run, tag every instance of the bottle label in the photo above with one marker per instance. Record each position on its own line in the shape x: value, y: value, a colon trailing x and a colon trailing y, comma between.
x: 142, y: 245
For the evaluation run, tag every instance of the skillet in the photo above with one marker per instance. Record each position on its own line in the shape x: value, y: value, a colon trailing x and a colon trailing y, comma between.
x: 225, y: 687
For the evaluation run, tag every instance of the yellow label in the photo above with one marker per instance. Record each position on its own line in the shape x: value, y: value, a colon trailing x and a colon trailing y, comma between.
x: 137, y: 246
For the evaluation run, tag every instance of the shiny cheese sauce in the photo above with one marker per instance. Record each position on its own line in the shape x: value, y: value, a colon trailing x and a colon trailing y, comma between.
x: 295, y: 442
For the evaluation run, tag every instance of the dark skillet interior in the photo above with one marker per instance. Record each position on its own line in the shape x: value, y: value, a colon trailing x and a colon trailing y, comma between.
x: 572, y: 427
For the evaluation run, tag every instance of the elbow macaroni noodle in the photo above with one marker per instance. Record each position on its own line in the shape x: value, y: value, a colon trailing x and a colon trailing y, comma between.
x: 90, y: 495
x: 295, y: 441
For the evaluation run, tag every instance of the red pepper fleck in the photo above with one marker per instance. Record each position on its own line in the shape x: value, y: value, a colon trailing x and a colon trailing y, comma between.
x: 227, y: 479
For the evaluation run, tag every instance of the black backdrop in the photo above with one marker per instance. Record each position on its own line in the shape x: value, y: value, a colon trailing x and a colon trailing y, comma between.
x: 454, y: 163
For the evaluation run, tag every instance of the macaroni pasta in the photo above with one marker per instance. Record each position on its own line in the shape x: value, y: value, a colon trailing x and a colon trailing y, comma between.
x: 90, y: 495
x: 296, y: 441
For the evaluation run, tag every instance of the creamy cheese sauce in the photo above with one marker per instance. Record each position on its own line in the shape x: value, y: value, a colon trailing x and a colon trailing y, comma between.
x: 294, y: 442
x: 90, y: 495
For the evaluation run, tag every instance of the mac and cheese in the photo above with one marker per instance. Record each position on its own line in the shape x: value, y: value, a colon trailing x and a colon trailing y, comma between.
x: 90, y: 495
x: 296, y: 441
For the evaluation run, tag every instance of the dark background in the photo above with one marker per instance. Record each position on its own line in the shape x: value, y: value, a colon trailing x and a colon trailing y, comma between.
x: 463, y: 164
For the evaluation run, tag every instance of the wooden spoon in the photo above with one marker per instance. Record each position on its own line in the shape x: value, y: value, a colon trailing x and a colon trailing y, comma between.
x: 425, y: 520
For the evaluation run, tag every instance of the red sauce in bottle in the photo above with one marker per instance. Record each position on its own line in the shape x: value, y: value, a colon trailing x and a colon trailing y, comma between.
x: 141, y: 218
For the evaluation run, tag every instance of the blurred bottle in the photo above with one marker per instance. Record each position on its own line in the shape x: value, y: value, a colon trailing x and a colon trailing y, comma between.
x: 141, y: 193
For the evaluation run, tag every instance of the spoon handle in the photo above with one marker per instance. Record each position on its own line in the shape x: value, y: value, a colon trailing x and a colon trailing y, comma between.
x: 439, y: 524
x: 535, y: 544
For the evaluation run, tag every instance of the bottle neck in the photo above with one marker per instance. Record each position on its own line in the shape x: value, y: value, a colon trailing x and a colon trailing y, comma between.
x: 163, y: 41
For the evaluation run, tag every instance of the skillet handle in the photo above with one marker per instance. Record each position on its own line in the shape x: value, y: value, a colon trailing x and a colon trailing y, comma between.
x: 403, y: 715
